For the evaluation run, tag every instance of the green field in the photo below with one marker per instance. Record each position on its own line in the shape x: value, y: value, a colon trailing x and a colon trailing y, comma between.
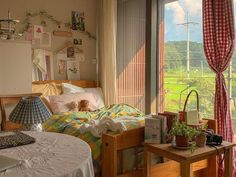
x: 175, y: 83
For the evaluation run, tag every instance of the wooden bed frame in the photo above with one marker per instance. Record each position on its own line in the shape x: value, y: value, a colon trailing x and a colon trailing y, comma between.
x: 114, y: 145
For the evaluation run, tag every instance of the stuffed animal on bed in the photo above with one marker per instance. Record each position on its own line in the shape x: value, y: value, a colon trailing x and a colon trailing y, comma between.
x: 84, y: 105
x: 73, y: 106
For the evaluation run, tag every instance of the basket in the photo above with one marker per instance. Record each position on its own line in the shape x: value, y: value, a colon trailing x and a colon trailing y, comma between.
x: 190, y: 117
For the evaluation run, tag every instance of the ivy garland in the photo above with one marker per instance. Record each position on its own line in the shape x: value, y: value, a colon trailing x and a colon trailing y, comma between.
x: 45, y: 16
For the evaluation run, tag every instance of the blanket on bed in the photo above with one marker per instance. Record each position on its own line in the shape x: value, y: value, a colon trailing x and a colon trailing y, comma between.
x: 89, y: 126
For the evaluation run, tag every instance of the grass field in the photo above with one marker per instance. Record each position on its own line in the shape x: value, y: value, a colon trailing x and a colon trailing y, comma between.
x: 177, y: 82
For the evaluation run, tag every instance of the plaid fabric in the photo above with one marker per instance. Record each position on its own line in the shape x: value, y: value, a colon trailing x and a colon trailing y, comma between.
x: 70, y: 122
x: 30, y: 111
x: 218, y: 32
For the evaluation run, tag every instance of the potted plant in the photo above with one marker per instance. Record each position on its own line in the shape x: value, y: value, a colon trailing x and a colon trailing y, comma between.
x: 183, y: 134
x: 201, y: 136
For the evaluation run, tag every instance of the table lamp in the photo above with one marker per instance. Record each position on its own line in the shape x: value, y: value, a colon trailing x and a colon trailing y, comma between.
x: 30, y: 112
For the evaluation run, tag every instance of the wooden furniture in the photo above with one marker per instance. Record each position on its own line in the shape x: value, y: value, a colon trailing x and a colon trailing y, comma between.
x: 79, y: 83
x: 114, y: 145
x: 187, y: 159
x: 11, y: 100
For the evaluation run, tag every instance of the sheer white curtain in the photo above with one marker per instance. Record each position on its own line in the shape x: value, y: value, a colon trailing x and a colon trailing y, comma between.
x: 107, y: 26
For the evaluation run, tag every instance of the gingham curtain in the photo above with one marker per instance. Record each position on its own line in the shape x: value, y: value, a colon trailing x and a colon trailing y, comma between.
x: 218, y: 33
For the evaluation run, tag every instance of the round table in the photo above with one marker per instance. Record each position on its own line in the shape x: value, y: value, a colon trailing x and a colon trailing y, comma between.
x: 52, y: 155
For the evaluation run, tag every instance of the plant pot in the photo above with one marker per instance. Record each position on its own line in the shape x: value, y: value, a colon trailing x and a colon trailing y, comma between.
x: 181, y: 141
x: 200, y: 140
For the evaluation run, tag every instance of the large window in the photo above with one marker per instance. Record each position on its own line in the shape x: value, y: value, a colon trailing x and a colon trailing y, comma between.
x: 185, y: 66
x: 131, y: 52
x: 185, y: 63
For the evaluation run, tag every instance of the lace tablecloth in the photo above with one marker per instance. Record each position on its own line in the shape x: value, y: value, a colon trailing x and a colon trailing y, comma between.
x: 52, y: 155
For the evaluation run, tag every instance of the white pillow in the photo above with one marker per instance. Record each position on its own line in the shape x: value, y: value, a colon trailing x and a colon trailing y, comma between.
x: 69, y: 88
x: 97, y: 92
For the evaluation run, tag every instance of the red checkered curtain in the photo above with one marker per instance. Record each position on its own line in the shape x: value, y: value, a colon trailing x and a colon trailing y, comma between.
x: 218, y: 34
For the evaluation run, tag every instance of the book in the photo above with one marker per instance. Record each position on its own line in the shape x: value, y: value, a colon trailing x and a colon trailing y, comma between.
x: 170, y: 116
x: 13, y: 139
x: 152, y: 130
x: 156, y: 129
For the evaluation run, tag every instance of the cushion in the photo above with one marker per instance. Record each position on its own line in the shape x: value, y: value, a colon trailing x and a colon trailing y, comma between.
x: 62, y: 103
x: 69, y: 88
x: 98, y: 96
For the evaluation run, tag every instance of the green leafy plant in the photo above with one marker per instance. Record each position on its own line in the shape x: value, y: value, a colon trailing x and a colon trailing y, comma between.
x: 182, y: 129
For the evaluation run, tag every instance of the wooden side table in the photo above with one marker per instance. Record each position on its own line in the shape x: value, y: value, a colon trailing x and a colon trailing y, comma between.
x: 186, y: 158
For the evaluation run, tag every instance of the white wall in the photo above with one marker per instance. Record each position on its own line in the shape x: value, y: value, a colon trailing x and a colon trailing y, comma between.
x: 15, y: 67
x: 60, y: 10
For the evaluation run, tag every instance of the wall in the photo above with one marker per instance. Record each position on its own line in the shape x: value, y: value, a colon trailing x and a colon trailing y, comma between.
x: 15, y: 67
x: 60, y: 10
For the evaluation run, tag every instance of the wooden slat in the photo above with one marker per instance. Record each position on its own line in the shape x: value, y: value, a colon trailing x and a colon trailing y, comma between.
x: 79, y: 83
x: 109, y: 156
x: 136, y: 137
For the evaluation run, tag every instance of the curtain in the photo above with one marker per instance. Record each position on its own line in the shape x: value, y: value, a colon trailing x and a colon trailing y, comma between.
x: 107, y: 48
x: 218, y: 35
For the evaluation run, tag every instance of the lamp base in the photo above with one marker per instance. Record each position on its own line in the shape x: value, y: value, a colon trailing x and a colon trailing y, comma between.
x: 32, y: 127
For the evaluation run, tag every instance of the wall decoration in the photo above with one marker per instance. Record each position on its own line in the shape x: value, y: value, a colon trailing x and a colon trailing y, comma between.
x: 42, y: 65
x: 29, y: 34
x: 77, y: 41
x: 78, y: 21
x: 61, y: 66
x: 70, y: 52
x: 7, y: 27
x: 38, y: 30
x: 44, y: 16
x: 46, y: 39
x: 73, y: 72
x: 62, y: 33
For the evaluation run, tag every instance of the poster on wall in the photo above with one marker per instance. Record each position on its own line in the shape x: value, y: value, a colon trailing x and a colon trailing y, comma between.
x: 78, y: 21
x: 38, y: 30
x: 73, y: 72
x: 70, y: 53
x: 61, y: 67
x: 46, y: 39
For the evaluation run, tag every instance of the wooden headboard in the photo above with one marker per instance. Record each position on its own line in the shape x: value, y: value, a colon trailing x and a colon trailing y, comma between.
x: 79, y: 83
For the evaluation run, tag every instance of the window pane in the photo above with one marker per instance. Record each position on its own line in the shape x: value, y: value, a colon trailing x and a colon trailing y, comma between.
x: 131, y: 52
x: 185, y: 66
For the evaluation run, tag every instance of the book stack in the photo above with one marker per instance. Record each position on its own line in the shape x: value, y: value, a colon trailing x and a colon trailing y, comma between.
x: 158, y: 126
x: 155, y: 129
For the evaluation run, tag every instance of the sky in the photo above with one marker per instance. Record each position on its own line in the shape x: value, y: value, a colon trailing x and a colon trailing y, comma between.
x: 176, y: 13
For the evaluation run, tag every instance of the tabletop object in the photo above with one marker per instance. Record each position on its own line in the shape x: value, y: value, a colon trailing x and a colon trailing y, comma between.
x: 186, y: 157
x: 31, y: 112
x: 52, y: 155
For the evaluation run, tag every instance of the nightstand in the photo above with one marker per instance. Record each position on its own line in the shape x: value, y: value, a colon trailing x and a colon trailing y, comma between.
x: 186, y: 158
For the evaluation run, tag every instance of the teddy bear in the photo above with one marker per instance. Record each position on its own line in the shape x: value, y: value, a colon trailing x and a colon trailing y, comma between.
x: 84, y: 105
x: 73, y: 106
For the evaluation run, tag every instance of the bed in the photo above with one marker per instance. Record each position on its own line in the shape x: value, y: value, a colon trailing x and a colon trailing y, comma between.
x: 112, y: 144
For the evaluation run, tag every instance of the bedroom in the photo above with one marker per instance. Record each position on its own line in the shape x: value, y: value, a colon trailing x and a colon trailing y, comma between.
x: 117, y: 46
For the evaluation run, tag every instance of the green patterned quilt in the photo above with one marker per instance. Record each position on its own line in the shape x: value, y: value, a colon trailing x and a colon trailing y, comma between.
x: 70, y: 122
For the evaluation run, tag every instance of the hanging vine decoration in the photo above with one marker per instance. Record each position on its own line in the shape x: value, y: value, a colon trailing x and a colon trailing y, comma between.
x: 45, y: 16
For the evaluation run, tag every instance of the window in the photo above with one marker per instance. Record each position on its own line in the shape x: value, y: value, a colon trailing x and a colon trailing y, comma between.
x: 131, y: 52
x: 185, y: 66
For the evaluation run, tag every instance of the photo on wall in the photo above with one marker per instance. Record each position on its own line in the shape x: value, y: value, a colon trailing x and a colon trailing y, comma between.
x: 78, y: 21
x: 73, y: 72
x: 61, y: 66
